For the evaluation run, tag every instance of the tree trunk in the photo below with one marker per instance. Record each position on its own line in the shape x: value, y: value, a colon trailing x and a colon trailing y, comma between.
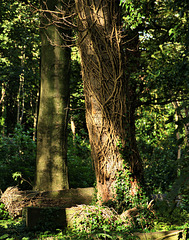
x: 52, y: 173
x: 109, y: 111
x: 2, y: 109
x: 186, y: 126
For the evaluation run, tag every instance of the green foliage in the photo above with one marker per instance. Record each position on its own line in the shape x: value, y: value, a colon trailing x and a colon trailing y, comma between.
x: 3, y: 213
x: 19, y: 62
x: 123, y: 188
x: 80, y: 169
x: 156, y: 134
x: 170, y: 77
x: 100, y: 221
x: 16, y: 230
x: 17, y: 155
x: 133, y: 14
x: 185, y: 198
x: 168, y: 218
x: 77, y: 99
x: 162, y: 77
x: 125, y: 198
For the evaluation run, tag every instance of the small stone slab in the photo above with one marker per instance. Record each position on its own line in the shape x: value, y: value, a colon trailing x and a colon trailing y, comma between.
x: 168, y: 235
x: 48, y: 218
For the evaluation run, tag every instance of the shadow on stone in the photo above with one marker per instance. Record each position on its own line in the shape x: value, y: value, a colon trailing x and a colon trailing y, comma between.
x: 72, y: 197
x: 48, y: 218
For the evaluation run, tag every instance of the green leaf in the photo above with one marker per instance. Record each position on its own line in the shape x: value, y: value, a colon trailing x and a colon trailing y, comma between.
x: 16, y: 175
x: 5, y: 236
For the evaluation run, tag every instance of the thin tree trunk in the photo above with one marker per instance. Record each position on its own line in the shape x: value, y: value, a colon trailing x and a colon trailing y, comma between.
x: 186, y: 126
x: 20, y: 100
x: 73, y: 127
x: 109, y: 112
x: 177, y: 118
x: 20, y: 96
x: 35, y: 116
x: 3, y: 113
x: 52, y: 173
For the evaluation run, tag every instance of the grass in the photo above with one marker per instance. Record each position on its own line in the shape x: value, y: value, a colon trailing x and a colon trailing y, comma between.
x: 16, y: 230
x: 96, y: 223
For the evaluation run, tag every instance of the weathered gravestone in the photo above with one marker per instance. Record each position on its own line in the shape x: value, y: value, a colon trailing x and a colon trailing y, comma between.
x: 61, y: 215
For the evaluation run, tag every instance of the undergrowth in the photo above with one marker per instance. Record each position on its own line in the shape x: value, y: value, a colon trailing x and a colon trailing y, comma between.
x: 96, y: 222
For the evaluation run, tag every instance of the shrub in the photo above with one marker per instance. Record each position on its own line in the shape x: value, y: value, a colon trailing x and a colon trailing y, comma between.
x: 3, y: 213
x: 17, y: 155
x: 80, y: 169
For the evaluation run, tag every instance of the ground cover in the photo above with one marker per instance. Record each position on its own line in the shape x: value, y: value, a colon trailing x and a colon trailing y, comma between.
x: 98, y: 222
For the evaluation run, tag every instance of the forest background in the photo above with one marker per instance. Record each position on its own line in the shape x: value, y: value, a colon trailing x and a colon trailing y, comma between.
x: 161, y: 82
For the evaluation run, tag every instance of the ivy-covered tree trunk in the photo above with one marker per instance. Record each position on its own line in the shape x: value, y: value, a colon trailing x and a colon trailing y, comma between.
x: 108, y: 97
x: 52, y: 173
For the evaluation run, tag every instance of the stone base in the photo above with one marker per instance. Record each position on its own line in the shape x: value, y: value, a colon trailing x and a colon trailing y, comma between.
x: 48, y: 218
x: 71, y: 197
x: 60, y: 211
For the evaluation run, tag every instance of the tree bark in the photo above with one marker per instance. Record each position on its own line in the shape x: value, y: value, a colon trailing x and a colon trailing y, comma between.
x: 109, y: 110
x: 52, y: 173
